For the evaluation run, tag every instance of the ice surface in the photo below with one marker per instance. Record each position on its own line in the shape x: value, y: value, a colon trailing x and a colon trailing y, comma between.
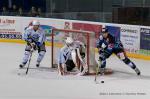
x: 44, y: 83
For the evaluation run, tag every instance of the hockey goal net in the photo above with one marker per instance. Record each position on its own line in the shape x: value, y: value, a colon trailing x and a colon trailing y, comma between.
x: 58, y: 41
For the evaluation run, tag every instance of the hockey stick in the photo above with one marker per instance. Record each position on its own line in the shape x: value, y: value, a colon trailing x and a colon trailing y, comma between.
x: 29, y: 62
x: 97, y: 71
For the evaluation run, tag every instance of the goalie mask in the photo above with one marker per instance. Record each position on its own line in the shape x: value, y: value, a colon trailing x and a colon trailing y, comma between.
x: 69, y: 41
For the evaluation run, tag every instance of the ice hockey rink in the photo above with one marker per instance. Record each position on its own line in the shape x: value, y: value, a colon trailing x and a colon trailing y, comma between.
x: 44, y: 83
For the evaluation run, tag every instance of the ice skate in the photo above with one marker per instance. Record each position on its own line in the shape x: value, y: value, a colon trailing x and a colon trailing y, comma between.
x: 137, y: 71
x: 22, y: 65
x: 37, y: 64
x: 102, y: 71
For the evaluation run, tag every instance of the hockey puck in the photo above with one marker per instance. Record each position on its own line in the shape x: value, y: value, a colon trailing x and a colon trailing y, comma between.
x: 102, y: 81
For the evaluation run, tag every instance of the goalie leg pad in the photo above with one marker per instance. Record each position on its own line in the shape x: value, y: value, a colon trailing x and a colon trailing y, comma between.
x: 61, y: 69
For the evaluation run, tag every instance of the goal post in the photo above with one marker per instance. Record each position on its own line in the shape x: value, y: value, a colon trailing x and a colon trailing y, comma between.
x: 57, y: 41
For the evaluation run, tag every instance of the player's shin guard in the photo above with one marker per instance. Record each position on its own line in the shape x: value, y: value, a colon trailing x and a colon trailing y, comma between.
x: 132, y: 65
x: 40, y: 57
x: 102, y: 65
x: 25, y: 59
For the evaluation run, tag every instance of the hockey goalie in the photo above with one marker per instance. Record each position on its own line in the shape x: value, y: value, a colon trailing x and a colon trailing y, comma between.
x: 70, y: 55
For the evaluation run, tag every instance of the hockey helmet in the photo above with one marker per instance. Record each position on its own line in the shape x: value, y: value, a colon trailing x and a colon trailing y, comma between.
x: 35, y: 22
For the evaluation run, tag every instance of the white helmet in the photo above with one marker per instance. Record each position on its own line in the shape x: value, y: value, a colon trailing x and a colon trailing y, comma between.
x: 69, y: 40
x: 35, y: 22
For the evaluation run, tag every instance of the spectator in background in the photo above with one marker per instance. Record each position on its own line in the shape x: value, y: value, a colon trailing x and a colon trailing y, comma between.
x: 20, y: 12
x: 4, y: 11
x: 14, y: 10
x: 39, y: 12
x: 33, y: 12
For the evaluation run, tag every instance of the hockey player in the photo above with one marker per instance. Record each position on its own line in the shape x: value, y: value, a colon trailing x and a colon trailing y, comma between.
x: 35, y: 38
x: 107, y: 44
x: 66, y: 61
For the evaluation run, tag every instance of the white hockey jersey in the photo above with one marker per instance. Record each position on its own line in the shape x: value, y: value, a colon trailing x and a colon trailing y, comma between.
x: 36, y: 36
x: 65, y: 52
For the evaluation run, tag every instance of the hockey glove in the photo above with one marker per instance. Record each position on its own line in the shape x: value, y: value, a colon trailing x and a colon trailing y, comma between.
x: 103, y: 46
x: 38, y: 43
x: 29, y: 41
x: 34, y: 47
